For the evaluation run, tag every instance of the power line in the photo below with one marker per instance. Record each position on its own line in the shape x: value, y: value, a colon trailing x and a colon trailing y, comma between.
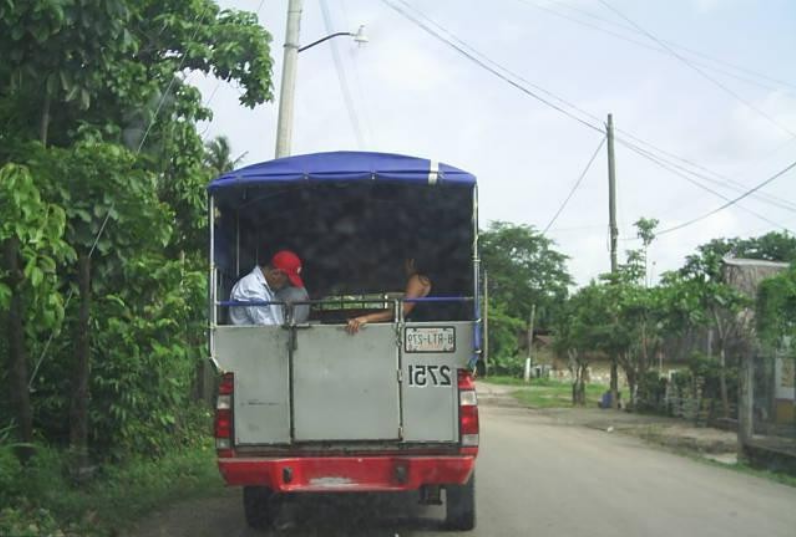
x: 494, y: 70
x: 665, y: 166
x: 575, y: 186
x: 699, y: 70
x: 497, y: 69
x: 717, y: 178
x: 341, y: 76
x: 739, y: 68
x: 617, y: 35
x: 369, y: 132
x: 730, y: 202
x: 679, y: 170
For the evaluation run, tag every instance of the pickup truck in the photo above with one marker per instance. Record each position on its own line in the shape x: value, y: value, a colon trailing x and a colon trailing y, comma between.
x: 305, y: 407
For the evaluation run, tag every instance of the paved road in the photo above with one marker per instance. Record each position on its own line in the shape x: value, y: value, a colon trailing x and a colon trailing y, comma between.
x: 541, y: 479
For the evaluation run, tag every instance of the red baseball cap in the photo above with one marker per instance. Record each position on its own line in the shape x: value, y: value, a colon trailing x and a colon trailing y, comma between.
x: 290, y: 264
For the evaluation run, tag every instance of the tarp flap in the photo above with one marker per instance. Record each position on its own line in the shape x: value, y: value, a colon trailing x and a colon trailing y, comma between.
x: 345, y: 166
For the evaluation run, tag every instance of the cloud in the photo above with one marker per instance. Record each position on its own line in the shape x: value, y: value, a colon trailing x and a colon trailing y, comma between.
x: 707, y: 6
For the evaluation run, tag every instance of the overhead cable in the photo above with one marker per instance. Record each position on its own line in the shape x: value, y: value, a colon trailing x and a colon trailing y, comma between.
x: 652, y: 158
x: 730, y: 202
x: 749, y: 76
x: 701, y: 72
x: 575, y: 186
x: 485, y: 64
x: 493, y: 67
x: 342, y: 78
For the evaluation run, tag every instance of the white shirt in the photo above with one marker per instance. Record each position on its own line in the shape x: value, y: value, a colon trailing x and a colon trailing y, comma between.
x: 254, y: 288
x: 296, y: 294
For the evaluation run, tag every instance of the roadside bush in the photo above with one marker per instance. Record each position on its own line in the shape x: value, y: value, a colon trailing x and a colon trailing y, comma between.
x: 10, y: 475
x: 651, y: 393
x: 511, y: 366
x: 708, y: 369
x: 31, y: 522
x: 38, y: 499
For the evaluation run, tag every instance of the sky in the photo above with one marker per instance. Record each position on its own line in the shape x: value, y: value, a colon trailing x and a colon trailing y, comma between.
x: 720, y: 93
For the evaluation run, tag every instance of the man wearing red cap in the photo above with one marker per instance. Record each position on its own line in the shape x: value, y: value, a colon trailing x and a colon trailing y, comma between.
x: 261, y: 285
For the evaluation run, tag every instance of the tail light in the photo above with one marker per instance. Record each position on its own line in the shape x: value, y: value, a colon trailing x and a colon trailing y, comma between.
x: 223, y: 421
x: 468, y: 410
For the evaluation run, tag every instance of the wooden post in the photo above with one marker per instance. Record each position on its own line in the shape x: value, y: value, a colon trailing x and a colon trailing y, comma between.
x: 746, y: 402
x: 486, y: 324
x: 530, y: 344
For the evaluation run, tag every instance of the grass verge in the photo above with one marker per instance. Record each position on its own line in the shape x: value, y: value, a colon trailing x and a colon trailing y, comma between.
x: 553, y: 394
x: 48, y: 504
x: 740, y: 467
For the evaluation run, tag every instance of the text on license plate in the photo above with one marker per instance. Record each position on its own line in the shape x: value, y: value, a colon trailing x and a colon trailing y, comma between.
x: 430, y: 339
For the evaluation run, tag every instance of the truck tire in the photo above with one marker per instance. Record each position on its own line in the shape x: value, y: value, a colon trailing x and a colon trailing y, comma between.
x: 460, y: 506
x: 257, y: 507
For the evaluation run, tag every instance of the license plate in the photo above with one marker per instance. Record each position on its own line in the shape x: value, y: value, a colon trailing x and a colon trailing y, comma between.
x: 430, y: 339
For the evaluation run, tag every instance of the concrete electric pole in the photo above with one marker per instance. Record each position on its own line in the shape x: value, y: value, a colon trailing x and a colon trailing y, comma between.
x: 528, y: 360
x: 614, y: 233
x: 284, y: 130
x: 612, y: 192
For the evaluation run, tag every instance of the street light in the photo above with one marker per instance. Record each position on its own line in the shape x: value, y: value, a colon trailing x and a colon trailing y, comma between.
x: 284, y: 129
x: 359, y: 37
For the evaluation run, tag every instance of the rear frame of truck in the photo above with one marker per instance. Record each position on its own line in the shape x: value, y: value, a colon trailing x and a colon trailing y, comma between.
x: 308, y: 408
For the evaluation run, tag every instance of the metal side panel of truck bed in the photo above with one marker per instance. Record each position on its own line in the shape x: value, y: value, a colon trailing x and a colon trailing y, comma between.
x: 318, y: 384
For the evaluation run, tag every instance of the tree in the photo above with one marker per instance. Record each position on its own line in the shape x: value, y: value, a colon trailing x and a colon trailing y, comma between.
x: 720, y: 303
x: 101, y: 188
x: 101, y: 87
x: 524, y: 269
x: 32, y: 238
x: 776, y: 309
x: 584, y: 328
x: 645, y: 230
x: 218, y: 156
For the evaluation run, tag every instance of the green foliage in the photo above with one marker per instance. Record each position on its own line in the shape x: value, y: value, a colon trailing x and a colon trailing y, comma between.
x: 524, y: 269
x: 776, y: 309
x: 37, y: 227
x: 97, y: 182
x: 503, y: 335
x: 773, y: 246
x: 29, y: 521
x: 101, y: 159
x: 10, y: 475
x: 42, y: 502
x: 553, y: 394
x: 148, y: 344
x: 218, y: 156
x: 651, y: 392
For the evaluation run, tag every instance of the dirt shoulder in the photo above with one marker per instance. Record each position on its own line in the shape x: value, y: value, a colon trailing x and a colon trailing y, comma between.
x: 669, y: 432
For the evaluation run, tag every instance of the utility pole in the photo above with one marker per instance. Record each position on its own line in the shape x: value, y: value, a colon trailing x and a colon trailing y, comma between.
x: 612, y: 192
x: 614, y: 233
x: 284, y: 132
x: 486, y: 323
x: 530, y: 344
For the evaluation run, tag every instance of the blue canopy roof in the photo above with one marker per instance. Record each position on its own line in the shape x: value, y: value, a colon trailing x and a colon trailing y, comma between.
x: 345, y: 166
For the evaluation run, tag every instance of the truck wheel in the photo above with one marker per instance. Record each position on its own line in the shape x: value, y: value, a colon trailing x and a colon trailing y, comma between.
x: 460, y: 506
x: 257, y: 507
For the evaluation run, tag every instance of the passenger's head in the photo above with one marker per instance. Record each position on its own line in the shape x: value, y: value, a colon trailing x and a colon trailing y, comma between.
x: 417, y: 263
x: 284, y: 270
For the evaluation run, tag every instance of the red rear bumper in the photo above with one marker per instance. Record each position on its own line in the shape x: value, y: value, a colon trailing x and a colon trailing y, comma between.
x: 347, y: 474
